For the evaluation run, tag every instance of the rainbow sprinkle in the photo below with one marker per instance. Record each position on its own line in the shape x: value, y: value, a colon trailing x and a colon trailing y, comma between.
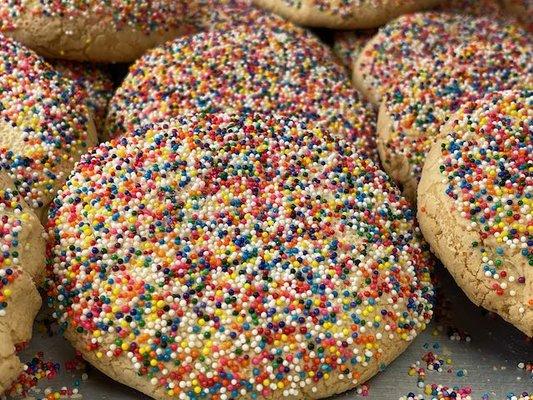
x: 96, y: 81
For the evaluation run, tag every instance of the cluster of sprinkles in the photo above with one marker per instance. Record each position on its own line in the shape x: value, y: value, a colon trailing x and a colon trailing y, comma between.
x: 96, y: 81
x: 145, y: 15
x: 13, y: 215
x: 273, y: 67
x: 39, y: 369
x: 432, y: 362
x: 495, y: 57
x: 486, y: 163
x: 46, y: 123
x: 236, y: 255
x: 347, y: 45
x: 441, y: 392
x: 520, y: 396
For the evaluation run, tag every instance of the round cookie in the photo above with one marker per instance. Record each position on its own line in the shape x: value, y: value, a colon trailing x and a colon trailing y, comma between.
x: 413, y: 111
x: 348, y: 45
x: 271, y: 67
x: 397, y: 48
x: 45, y: 125
x: 236, y: 257
x: 92, y: 30
x: 394, y: 51
x: 23, y: 255
x: 343, y: 14
x: 474, y: 203
x: 96, y: 80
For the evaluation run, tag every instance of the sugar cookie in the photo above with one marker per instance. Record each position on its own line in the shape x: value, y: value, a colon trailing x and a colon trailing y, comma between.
x: 45, y: 124
x: 236, y: 257
x: 474, y: 203
x: 96, y: 80
x: 343, y: 14
x: 272, y: 67
x: 396, y: 49
x: 23, y: 256
x: 95, y: 30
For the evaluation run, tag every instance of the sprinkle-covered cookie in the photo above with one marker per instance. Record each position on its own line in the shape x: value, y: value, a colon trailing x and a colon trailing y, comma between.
x: 21, y: 234
x: 22, y: 256
x: 95, y: 30
x: 96, y: 81
x: 475, y: 203
x: 497, y: 57
x: 348, y: 45
x: 229, y: 257
x: 272, y: 68
x: 397, y: 48
x: 343, y: 14
x: 45, y: 125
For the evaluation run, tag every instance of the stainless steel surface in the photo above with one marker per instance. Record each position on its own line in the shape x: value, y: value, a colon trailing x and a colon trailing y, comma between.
x: 488, y: 362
